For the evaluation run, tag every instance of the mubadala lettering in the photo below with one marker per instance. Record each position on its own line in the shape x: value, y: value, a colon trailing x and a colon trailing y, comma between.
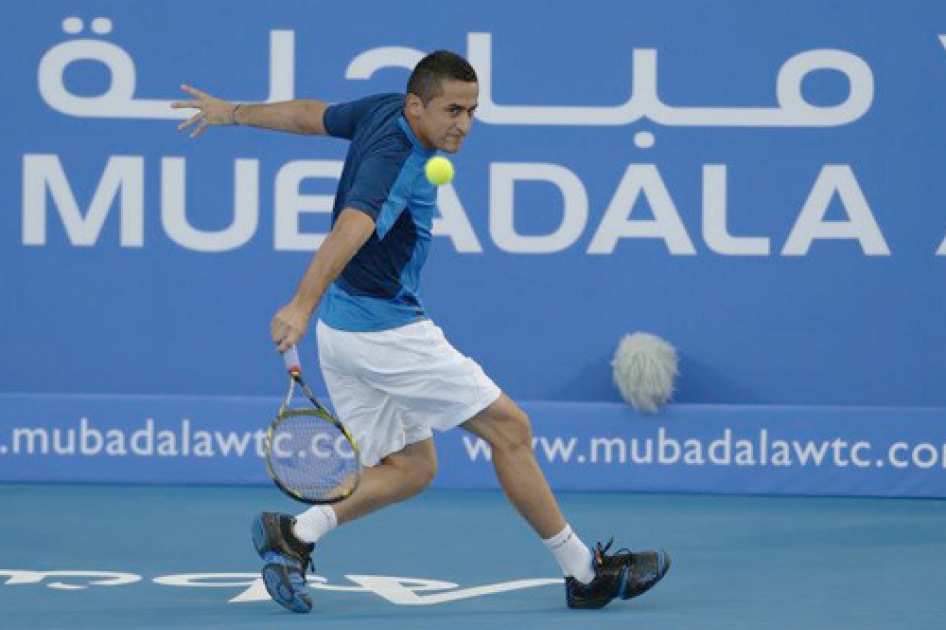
x: 120, y: 191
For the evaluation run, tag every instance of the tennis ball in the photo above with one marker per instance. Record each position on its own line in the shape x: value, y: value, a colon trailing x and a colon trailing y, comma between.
x: 439, y: 170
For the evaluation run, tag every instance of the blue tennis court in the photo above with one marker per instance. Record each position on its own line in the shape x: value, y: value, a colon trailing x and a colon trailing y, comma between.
x: 453, y: 559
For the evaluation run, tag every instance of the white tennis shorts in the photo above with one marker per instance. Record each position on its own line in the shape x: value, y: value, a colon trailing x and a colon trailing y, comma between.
x: 391, y: 387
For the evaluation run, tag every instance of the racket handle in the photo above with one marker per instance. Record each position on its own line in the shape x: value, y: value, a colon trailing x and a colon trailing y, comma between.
x: 291, y: 358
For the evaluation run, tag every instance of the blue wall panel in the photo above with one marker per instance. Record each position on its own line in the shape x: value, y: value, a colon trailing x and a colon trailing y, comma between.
x: 786, y: 154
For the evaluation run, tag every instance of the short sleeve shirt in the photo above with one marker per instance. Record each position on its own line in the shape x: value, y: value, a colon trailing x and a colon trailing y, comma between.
x: 383, y: 177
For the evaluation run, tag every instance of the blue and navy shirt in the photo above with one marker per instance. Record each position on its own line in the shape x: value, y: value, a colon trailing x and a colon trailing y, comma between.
x: 384, y: 178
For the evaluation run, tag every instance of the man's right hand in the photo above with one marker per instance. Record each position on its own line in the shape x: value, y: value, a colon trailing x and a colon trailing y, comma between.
x: 213, y: 111
x: 289, y: 325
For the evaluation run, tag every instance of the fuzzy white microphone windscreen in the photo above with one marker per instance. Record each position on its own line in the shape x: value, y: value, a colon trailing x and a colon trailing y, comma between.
x: 645, y: 367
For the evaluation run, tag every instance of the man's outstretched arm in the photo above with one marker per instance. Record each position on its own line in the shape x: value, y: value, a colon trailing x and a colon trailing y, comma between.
x: 303, y: 116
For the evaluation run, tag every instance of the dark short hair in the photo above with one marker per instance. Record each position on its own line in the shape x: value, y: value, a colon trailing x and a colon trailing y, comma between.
x: 429, y: 73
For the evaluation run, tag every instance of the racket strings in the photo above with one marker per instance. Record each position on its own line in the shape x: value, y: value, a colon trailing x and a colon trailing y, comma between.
x: 311, y: 456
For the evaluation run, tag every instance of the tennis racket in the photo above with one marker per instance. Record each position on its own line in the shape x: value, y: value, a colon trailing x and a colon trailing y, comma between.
x: 309, y: 454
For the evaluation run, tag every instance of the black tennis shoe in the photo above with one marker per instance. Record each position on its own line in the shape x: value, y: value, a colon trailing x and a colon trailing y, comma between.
x: 285, y: 560
x: 624, y: 574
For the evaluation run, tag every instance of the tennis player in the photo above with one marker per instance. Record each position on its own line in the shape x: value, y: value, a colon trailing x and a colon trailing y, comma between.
x: 392, y: 375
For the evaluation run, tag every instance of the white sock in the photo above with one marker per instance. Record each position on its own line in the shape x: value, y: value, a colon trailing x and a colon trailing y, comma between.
x: 572, y: 555
x: 314, y: 523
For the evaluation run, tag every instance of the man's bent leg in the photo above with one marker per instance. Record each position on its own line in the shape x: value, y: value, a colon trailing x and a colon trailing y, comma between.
x: 396, y: 477
x: 284, y: 543
x: 399, y: 476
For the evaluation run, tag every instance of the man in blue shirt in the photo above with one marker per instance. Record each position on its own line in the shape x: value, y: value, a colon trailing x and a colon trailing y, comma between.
x: 391, y: 373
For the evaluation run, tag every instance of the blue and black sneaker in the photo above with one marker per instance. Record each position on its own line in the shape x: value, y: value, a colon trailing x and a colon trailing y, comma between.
x: 624, y: 574
x: 285, y: 560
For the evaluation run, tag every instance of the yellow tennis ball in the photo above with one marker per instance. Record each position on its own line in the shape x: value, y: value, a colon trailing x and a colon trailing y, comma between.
x: 439, y: 170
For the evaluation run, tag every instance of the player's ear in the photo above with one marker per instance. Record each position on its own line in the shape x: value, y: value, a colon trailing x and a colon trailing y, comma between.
x: 414, y: 105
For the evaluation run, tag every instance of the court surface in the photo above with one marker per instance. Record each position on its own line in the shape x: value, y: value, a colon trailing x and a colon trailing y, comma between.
x: 456, y: 560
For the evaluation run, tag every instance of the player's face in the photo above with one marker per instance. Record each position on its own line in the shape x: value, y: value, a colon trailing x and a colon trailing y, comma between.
x: 446, y: 119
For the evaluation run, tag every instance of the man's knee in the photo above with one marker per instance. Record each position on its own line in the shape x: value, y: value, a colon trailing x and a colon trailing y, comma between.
x: 418, y: 465
x: 423, y: 472
x: 508, y: 430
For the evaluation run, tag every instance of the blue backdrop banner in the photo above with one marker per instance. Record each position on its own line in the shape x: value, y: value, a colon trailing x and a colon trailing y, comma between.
x: 587, y: 447
x: 758, y: 183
